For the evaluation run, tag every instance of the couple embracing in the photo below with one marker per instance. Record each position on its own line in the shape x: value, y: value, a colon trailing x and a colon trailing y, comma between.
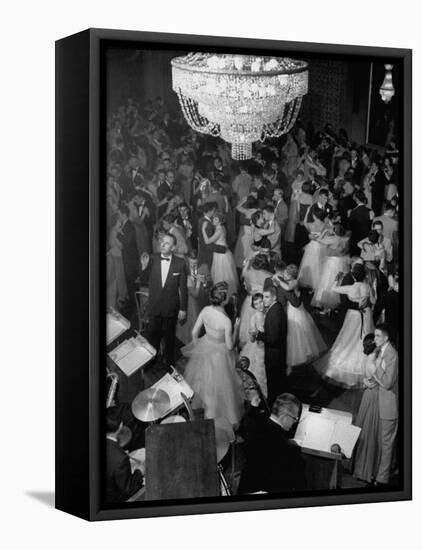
x: 213, y: 248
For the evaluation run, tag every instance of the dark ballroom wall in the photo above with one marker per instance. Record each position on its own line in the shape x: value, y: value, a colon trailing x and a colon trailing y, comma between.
x: 338, y: 91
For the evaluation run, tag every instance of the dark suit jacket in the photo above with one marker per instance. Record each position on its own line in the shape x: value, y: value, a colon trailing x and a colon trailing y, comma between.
x: 206, y: 250
x: 359, y: 224
x: 283, y: 296
x: 345, y: 303
x: 168, y: 300
x: 120, y: 482
x: 130, y: 255
x: 272, y: 464
x: 274, y: 337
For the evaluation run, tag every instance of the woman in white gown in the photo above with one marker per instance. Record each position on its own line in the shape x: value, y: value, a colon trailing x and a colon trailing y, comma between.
x: 315, y: 252
x: 304, y: 341
x: 211, y: 369
x: 223, y: 267
x: 337, y: 261
x: 344, y: 363
x: 254, y: 349
x: 255, y: 271
x: 243, y: 251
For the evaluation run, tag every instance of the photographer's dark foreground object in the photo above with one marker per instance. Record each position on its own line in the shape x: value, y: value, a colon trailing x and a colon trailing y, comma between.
x: 81, y: 354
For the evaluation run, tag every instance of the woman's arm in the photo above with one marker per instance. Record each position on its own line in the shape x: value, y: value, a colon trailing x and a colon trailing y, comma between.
x: 197, y: 326
x: 231, y: 336
x: 213, y: 238
x: 264, y: 232
x: 291, y: 285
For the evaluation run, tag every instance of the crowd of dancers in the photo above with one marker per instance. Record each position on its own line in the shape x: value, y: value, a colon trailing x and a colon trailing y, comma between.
x: 244, y: 259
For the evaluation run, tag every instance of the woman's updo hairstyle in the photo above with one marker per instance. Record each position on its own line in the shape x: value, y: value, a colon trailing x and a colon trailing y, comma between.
x: 369, y: 344
x: 261, y: 262
x: 218, y: 293
x: 373, y: 236
x: 255, y: 216
x: 358, y: 273
x: 220, y: 216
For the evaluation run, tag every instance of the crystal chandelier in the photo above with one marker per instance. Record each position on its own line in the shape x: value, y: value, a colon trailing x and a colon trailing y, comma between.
x: 240, y: 98
x: 387, y: 88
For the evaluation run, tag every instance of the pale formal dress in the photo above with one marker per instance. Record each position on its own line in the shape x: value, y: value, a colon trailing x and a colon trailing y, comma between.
x: 211, y: 369
x: 254, y: 282
x: 254, y: 351
x: 335, y: 262
x: 344, y: 363
x: 304, y: 341
x: 315, y: 252
x: 223, y: 267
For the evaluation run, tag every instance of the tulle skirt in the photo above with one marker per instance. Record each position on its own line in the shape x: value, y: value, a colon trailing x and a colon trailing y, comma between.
x: 344, y: 364
x: 254, y: 351
x: 312, y: 264
x: 367, y: 455
x: 324, y: 297
x: 223, y: 269
x: 211, y: 372
x: 246, y: 313
x: 304, y: 341
x: 243, y: 250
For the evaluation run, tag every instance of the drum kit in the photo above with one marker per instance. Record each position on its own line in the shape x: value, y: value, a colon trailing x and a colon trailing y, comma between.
x: 152, y: 404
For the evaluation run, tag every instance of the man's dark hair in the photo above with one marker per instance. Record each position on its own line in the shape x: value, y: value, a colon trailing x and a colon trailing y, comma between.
x: 113, y: 420
x: 208, y: 206
x: 378, y: 222
x: 324, y: 192
x: 384, y: 328
x: 269, y: 208
x: 361, y: 197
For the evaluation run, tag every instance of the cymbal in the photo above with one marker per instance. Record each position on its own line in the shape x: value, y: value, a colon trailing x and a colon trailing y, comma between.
x: 150, y: 404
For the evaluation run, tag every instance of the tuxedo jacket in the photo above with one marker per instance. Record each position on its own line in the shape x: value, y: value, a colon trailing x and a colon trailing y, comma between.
x: 167, y: 300
x: 359, y: 223
x: 272, y: 464
x: 206, y: 250
x: 275, y: 334
x: 120, y: 482
x: 386, y: 375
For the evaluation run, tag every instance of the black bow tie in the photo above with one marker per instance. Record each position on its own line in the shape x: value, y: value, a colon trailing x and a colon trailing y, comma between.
x: 165, y: 259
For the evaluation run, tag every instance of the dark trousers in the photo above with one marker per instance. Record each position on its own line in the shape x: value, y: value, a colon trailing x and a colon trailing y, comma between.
x: 163, y: 328
x: 275, y: 370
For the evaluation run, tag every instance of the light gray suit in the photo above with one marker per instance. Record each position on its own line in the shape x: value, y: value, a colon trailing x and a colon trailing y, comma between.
x: 386, y: 375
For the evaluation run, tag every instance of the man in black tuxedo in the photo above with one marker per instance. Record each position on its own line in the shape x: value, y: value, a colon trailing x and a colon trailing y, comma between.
x: 121, y: 483
x: 272, y: 463
x: 322, y: 203
x: 167, y: 296
x: 206, y: 250
x: 130, y: 257
x: 275, y: 343
x: 359, y: 222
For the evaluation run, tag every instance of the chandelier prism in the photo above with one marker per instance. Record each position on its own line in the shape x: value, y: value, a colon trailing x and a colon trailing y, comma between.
x: 240, y: 98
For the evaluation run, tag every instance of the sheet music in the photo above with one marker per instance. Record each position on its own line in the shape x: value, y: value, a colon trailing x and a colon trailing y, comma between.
x: 131, y: 355
x: 116, y: 325
x: 346, y: 436
x: 319, y: 433
x: 173, y: 388
x: 139, y: 456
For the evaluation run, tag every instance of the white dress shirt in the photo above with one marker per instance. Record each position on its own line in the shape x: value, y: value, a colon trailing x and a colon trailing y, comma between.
x: 165, y: 267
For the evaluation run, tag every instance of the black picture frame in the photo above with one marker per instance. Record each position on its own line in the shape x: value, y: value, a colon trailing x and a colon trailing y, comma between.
x: 80, y: 268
